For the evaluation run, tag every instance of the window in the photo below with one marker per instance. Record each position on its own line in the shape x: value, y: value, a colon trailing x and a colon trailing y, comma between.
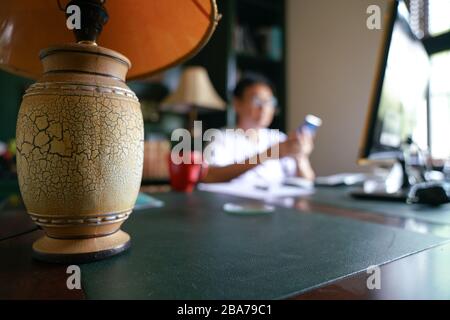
x: 430, y: 22
x: 429, y: 18
x: 438, y: 17
x: 440, y: 105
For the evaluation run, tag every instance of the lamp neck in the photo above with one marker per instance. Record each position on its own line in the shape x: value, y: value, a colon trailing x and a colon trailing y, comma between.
x: 93, y: 18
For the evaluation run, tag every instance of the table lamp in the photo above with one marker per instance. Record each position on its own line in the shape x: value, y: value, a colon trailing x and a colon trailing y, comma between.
x: 194, y: 92
x: 80, y: 130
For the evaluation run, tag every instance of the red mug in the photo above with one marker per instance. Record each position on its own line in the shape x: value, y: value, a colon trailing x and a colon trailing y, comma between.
x: 184, y: 176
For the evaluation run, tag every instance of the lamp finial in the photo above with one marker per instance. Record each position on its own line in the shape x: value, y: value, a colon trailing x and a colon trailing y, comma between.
x: 93, y: 17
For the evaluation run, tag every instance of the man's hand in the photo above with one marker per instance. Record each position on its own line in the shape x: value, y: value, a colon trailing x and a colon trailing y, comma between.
x: 307, y: 144
x: 297, y: 145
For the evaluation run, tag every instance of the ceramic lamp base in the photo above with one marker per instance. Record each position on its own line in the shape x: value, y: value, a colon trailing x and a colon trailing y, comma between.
x: 73, y: 251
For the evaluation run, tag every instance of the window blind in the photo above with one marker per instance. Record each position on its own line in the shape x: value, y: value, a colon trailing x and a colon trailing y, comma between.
x: 419, y: 17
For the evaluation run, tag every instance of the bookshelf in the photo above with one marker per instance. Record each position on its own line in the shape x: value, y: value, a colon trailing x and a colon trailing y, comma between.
x: 249, y: 38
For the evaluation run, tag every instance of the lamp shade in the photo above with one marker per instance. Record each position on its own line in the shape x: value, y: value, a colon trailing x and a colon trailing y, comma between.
x: 194, y: 89
x: 153, y: 34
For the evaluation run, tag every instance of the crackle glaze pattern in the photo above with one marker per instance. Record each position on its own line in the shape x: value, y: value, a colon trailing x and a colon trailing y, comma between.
x: 79, y: 154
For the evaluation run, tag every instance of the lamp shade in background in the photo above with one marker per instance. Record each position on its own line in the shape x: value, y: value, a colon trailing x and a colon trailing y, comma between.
x: 195, y: 90
x: 152, y: 34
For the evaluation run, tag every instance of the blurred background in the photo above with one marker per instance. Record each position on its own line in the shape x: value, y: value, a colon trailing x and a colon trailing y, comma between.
x: 320, y: 56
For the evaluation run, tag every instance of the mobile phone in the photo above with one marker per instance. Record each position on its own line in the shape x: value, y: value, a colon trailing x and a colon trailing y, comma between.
x: 311, y: 124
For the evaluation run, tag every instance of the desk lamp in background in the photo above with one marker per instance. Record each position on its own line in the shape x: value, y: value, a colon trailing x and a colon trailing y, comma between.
x: 195, y: 93
x: 80, y: 129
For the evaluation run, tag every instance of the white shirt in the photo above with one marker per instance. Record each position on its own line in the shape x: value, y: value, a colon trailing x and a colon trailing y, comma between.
x: 233, y: 146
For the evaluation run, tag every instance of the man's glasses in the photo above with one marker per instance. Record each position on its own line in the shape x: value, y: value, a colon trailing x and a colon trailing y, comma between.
x: 260, y: 102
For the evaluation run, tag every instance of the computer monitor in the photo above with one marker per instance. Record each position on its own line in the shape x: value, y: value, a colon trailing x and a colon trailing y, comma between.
x: 399, y: 104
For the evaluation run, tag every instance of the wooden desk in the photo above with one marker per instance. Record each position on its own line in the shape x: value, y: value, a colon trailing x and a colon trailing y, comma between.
x: 423, y: 275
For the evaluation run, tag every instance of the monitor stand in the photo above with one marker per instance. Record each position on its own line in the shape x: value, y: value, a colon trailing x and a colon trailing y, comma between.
x: 393, y: 186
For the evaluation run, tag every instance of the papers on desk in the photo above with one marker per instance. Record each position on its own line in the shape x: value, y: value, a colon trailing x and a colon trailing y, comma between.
x: 341, y: 179
x: 255, y: 192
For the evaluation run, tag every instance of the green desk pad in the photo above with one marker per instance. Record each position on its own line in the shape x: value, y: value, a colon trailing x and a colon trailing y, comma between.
x: 8, y: 187
x: 191, y: 249
x: 340, y: 197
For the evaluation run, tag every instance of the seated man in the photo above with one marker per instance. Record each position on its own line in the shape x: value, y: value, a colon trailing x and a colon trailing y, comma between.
x: 242, y: 154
